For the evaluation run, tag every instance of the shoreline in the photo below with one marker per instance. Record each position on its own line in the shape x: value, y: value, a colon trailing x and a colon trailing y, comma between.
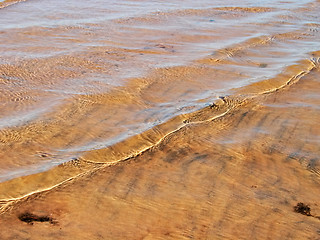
x: 146, y: 141
x: 220, y: 160
x: 159, y: 121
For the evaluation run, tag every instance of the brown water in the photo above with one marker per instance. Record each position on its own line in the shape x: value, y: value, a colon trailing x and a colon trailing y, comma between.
x: 159, y: 120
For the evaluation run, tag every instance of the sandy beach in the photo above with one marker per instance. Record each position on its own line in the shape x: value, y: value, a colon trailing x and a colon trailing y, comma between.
x: 159, y: 120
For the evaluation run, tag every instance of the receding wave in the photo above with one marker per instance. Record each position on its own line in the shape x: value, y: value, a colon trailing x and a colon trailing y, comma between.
x: 93, y: 160
x: 179, y: 100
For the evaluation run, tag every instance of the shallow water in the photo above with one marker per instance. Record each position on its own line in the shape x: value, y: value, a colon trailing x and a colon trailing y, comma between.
x: 81, y: 92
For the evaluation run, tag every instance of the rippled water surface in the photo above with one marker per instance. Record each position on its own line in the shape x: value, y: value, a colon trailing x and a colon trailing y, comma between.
x: 142, y: 90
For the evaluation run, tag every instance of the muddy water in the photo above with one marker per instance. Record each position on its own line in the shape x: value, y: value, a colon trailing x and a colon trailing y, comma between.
x: 159, y: 120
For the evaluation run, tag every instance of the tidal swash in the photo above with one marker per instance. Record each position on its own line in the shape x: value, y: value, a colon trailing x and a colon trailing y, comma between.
x: 159, y: 119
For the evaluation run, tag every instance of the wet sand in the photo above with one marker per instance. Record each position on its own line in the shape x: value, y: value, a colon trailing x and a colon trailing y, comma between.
x: 162, y: 135
x: 197, y: 183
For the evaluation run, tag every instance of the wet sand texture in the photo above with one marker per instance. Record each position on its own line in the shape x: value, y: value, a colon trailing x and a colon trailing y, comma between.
x: 209, y: 132
x: 197, y: 183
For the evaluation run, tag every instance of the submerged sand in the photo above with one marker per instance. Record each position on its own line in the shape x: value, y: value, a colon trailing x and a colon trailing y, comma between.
x: 157, y: 136
x: 197, y: 183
